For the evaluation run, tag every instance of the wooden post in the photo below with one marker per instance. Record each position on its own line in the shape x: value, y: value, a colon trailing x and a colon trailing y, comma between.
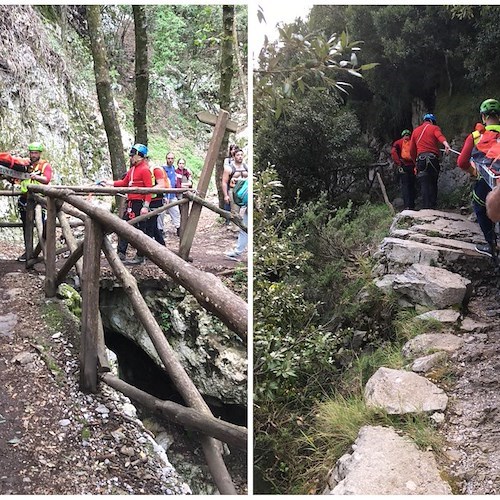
x: 50, y: 249
x: 90, y: 304
x: 208, y: 167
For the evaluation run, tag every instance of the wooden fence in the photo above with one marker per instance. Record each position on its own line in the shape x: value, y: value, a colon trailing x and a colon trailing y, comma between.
x: 85, y: 256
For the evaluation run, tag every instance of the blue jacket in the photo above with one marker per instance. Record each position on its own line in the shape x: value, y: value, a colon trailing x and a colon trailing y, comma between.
x: 170, y: 171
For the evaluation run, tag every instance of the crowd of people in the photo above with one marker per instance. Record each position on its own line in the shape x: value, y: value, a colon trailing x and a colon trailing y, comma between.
x: 142, y: 173
x: 417, y: 157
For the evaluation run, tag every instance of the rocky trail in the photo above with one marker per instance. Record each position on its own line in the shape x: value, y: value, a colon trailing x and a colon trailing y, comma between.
x: 53, y: 438
x: 429, y: 261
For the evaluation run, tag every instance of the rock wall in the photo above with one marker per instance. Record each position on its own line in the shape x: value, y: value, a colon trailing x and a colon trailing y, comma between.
x: 214, y: 357
x: 47, y: 93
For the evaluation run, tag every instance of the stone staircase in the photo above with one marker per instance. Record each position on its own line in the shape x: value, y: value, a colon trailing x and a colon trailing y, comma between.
x: 430, y: 262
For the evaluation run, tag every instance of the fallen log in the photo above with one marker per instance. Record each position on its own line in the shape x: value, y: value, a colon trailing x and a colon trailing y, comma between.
x: 231, y: 434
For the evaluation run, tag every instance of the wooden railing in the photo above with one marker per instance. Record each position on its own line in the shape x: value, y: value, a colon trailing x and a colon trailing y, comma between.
x: 85, y: 257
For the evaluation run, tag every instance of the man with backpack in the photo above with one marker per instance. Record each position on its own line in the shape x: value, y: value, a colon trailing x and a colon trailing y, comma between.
x: 40, y: 173
x: 174, y: 212
x: 425, y: 142
x: 401, y: 154
x: 240, y: 197
x: 478, y: 159
x: 233, y: 171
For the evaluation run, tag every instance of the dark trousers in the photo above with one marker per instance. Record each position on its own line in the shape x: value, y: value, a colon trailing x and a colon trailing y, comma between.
x: 152, y: 223
x: 132, y: 210
x: 21, y: 206
x: 481, y: 189
x: 408, y: 184
x: 428, y: 173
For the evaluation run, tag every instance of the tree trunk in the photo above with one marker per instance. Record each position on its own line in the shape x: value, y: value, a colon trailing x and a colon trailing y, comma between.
x: 226, y: 78
x: 141, y: 74
x: 104, y: 92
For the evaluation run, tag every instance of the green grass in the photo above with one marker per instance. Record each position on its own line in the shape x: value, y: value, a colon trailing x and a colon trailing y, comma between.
x: 407, y: 326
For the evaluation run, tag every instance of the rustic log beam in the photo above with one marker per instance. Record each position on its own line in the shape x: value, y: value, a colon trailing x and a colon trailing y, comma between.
x: 50, y: 249
x: 234, y: 435
x: 90, y: 304
x: 208, y: 290
x: 224, y: 213
x: 71, y: 261
x: 172, y: 365
x: 188, y: 232
x: 39, y: 228
x: 120, y: 190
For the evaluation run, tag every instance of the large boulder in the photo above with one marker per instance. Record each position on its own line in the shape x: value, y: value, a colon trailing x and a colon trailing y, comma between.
x: 428, y: 286
x: 424, y: 344
x: 384, y: 463
x: 399, y: 392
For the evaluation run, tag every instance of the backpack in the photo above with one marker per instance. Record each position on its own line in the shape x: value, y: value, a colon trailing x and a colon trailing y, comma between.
x: 240, y: 192
x: 405, y: 150
x: 485, y: 155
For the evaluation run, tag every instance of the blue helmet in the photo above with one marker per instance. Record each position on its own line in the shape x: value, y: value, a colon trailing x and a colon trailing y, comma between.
x: 140, y: 149
x: 429, y: 117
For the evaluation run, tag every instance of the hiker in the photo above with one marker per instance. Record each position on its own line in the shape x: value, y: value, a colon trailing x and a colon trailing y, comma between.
x: 174, y: 212
x: 425, y: 141
x: 401, y: 154
x: 138, y: 175
x: 183, y: 174
x: 228, y: 162
x: 40, y: 173
x: 472, y: 156
x: 232, y: 172
x: 159, y: 179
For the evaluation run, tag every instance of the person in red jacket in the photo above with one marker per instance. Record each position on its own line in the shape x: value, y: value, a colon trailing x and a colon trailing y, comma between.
x: 470, y: 157
x: 138, y: 175
x: 425, y: 142
x: 401, y: 154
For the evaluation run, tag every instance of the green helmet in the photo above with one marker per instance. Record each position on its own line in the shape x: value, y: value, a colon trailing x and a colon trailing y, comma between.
x: 36, y: 146
x: 490, y: 107
x: 405, y: 132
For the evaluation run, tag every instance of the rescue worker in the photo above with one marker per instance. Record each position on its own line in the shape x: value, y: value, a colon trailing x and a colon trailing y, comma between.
x: 138, y: 175
x: 425, y: 141
x: 401, y: 154
x: 40, y: 173
x: 475, y: 146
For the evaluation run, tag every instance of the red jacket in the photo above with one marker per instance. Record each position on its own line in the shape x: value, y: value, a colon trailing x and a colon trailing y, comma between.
x: 463, y: 160
x: 137, y: 176
x: 426, y: 138
x: 397, y: 146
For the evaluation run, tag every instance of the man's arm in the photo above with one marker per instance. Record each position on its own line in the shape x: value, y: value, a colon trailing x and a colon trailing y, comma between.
x: 493, y: 204
x: 225, y: 183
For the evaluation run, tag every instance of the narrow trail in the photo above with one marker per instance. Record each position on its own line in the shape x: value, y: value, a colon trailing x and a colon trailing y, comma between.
x: 472, y: 426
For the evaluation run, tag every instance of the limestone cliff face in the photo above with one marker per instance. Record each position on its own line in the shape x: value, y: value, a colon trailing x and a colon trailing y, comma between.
x: 47, y: 93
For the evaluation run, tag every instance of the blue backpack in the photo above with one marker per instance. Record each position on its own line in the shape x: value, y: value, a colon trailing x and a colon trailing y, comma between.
x: 240, y: 192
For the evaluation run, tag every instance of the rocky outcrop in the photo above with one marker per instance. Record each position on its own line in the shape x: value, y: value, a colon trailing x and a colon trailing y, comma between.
x: 384, y: 463
x: 429, y: 262
x: 214, y: 357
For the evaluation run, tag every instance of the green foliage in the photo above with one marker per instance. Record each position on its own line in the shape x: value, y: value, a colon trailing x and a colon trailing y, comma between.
x: 317, y: 149
x: 300, y: 62
x: 297, y: 358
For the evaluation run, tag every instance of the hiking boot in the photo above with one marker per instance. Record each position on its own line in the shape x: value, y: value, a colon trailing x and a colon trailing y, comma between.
x: 136, y: 260
x: 484, y: 250
x: 122, y: 256
x: 22, y: 258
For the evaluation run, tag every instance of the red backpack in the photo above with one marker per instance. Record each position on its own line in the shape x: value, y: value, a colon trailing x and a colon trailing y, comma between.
x: 485, y: 155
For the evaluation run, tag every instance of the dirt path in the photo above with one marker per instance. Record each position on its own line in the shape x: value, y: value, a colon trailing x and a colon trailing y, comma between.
x: 53, y: 438
x: 472, y: 426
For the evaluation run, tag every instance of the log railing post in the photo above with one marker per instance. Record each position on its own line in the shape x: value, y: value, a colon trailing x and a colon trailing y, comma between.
x: 50, y: 249
x: 90, y: 306
x: 208, y: 167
